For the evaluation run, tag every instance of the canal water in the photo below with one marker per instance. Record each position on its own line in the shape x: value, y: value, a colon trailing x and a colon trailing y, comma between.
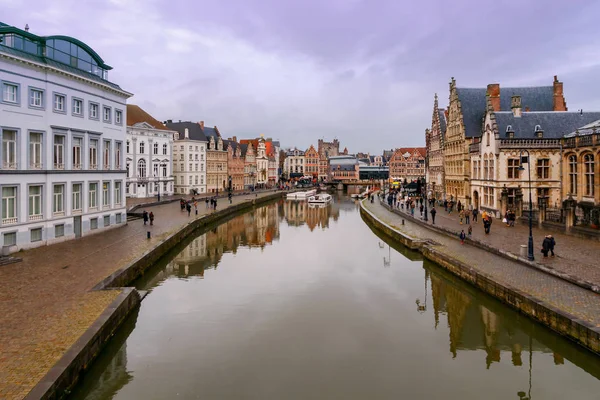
x: 292, y: 302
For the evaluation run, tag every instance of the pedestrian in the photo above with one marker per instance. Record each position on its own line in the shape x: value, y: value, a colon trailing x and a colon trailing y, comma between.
x: 475, y: 212
x: 196, y: 207
x: 188, y: 208
x: 546, y: 246
x: 412, y: 209
x: 461, y: 215
x: 206, y: 201
x: 552, y: 244
x: 151, y: 218
x: 470, y: 231
x: 462, y: 236
x: 459, y: 206
x: 433, y: 212
x: 145, y: 216
x: 215, y: 204
x: 505, y: 219
x: 230, y: 198
x: 421, y: 209
x: 446, y: 205
x: 467, y: 217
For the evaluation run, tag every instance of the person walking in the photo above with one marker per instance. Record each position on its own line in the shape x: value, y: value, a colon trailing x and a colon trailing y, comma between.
x: 206, y: 201
x: 552, y: 244
x: 459, y: 206
x: 421, y: 210
x: 215, y: 204
x: 145, y: 216
x: 433, y: 212
x: 467, y: 217
x: 196, y: 207
x: 230, y: 198
x: 188, y: 207
x: 461, y: 215
x: 446, y: 205
x: 151, y: 218
x: 475, y: 212
x: 412, y: 209
x: 546, y: 246
x: 462, y: 236
x: 470, y: 231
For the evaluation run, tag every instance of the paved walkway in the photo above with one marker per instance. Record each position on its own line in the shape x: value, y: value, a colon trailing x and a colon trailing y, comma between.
x: 581, y: 303
x: 574, y: 256
x: 45, y: 300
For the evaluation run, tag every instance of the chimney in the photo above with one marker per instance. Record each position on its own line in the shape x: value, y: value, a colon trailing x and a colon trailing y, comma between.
x: 216, y: 130
x: 26, y: 27
x: 526, y: 108
x: 515, y: 105
x: 201, y: 125
x: 493, y: 90
x: 235, y: 139
x: 187, y: 133
x: 559, y: 103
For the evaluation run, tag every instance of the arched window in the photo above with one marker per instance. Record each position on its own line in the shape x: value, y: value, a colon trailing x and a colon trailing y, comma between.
x: 492, y: 163
x: 573, y: 174
x: 588, y: 165
x: 141, y: 147
x: 142, y: 169
x: 155, y: 148
x: 165, y: 148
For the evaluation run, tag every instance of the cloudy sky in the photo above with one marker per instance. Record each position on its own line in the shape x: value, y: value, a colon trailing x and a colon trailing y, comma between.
x: 363, y: 71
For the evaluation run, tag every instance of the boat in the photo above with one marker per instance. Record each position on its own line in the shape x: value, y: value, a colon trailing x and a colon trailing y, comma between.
x: 322, y: 198
x: 301, y: 195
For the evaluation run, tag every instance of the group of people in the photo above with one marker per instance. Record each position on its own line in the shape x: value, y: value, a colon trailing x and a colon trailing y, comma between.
x: 509, y: 218
x: 148, y: 217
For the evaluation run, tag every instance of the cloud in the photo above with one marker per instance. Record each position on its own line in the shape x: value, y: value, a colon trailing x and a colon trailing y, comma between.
x: 362, y: 71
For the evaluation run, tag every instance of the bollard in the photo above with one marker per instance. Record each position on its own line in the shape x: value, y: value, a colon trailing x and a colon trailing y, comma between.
x: 148, y: 234
x: 402, y: 221
x: 523, y: 251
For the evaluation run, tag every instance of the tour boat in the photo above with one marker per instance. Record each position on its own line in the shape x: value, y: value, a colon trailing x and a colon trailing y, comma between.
x: 322, y: 198
x: 301, y: 195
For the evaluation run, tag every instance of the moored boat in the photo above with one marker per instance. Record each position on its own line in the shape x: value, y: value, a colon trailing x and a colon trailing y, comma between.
x: 301, y: 195
x: 322, y: 198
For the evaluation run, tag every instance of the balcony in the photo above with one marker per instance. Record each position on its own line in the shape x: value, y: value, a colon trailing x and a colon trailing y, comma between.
x: 93, y: 166
x: 529, y: 143
x: 9, y: 221
x: 582, y: 141
x: 35, y: 166
x: 9, y: 165
x: 38, y: 217
x: 77, y: 166
x: 59, y: 166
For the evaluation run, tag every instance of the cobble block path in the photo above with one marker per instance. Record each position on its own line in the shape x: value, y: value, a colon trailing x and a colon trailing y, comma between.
x: 46, y: 303
x: 579, y: 302
x: 574, y: 256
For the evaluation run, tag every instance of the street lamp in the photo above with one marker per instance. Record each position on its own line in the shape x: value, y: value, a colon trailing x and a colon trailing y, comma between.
x: 426, y: 198
x: 521, y: 168
x: 157, y: 183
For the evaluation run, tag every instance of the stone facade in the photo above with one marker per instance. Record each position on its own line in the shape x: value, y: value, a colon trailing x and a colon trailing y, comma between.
x: 262, y: 163
x: 434, y: 139
x: 189, y: 157
x: 249, y: 154
x: 343, y: 168
x: 408, y: 163
x: 311, y: 162
x: 326, y: 150
x: 235, y: 165
x: 216, y: 161
x: 293, y: 165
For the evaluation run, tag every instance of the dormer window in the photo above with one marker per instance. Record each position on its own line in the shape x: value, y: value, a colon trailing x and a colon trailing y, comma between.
x: 510, y: 133
x: 539, y: 133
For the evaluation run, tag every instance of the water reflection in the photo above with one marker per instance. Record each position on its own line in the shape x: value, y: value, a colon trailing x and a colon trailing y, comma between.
x: 305, y: 316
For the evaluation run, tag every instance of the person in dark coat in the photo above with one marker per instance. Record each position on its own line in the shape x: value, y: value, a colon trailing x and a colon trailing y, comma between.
x: 546, y: 246
x: 188, y: 207
x: 145, y: 216
x: 462, y: 236
x: 151, y: 218
x: 433, y: 212
x: 552, y: 244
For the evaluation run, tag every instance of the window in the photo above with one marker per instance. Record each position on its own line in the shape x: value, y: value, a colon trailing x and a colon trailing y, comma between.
x: 118, y: 117
x: 77, y: 152
x: 57, y: 201
x: 36, y: 98
x: 165, y: 148
x: 59, y: 103
x: 107, y: 220
x: 35, y: 150
x: 190, y: 167
x: 106, y: 194
x: 573, y: 174
x: 155, y: 148
x: 77, y: 197
x: 142, y: 148
x: 196, y: 167
x: 155, y: 169
x: 486, y: 167
x: 106, y: 113
x: 93, y: 111
x: 59, y: 230
x: 117, y: 193
x: 164, y: 170
x: 118, y: 218
x: 9, y: 149
x: 10, y: 239
x: 119, y: 145
x: 106, y: 161
x: 190, y: 147
x: 196, y: 179
x: 196, y: 157
x: 9, y: 204
x: 181, y: 167
x: 181, y: 157
x: 543, y: 168
x: 93, y: 154
x: 35, y: 202
x: 513, y: 168
x: 10, y: 93
x: 59, y: 152
x: 142, y: 169
x: 93, y: 223
x: 588, y: 165
x: 36, y: 234
x: 190, y: 157
x: 93, y: 193
x: 127, y: 147
x: 78, y: 107
x: 190, y: 180
x: 181, y: 147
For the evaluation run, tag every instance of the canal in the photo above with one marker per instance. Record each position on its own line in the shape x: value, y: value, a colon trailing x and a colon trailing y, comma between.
x: 292, y: 302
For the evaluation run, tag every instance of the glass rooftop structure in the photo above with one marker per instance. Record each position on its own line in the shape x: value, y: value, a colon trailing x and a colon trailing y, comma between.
x: 61, y: 52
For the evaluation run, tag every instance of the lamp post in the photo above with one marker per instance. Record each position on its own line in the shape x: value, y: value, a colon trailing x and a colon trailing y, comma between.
x: 530, y: 256
x: 425, y: 200
x: 158, y: 185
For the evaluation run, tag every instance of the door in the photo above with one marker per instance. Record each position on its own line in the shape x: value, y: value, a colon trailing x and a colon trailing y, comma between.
x: 77, y: 226
x: 476, y: 199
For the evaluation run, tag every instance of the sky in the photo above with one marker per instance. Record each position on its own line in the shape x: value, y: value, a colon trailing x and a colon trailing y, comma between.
x: 362, y: 71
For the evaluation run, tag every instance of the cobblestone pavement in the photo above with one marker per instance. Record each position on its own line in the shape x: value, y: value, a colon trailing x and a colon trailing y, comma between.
x: 574, y: 256
x: 581, y: 303
x: 45, y: 300
x: 134, y: 201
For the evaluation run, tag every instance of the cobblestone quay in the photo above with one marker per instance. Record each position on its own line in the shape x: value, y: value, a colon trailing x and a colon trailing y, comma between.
x: 566, y: 308
x: 47, y: 302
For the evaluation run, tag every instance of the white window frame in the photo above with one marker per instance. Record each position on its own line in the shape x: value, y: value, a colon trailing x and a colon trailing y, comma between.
x: 57, y: 97
x: 36, y: 98
x: 93, y: 153
x: 77, y: 205
x: 94, y: 109
x: 76, y: 152
x: 9, y: 96
x: 58, y: 200
x: 118, y: 117
x: 106, y: 117
x: 58, y: 151
x: 36, y: 155
x: 106, y: 194
x: 7, y: 217
x: 77, y: 101
x: 118, y: 193
x: 106, y: 151
x: 9, y: 149
x: 34, y: 203
x: 93, y: 195
x: 118, y: 148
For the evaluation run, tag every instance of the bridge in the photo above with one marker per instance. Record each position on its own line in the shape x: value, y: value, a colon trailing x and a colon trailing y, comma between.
x: 343, y: 185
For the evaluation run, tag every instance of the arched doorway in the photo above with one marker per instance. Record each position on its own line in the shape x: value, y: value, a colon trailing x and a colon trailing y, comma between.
x: 476, y: 199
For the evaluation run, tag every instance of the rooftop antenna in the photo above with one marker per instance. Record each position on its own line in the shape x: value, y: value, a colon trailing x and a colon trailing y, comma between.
x: 26, y: 27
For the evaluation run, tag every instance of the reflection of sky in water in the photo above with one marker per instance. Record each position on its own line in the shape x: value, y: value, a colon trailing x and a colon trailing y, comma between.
x: 307, y: 308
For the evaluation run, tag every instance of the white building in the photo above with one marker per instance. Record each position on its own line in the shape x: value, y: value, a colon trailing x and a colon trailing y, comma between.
x: 149, y: 155
x: 293, y: 165
x: 262, y: 163
x: 62, y: 127
x: 189, y: 157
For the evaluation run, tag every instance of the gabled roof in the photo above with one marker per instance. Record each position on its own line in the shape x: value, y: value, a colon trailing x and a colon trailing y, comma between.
x: 554, y: 124
x: 421, y: 151
x: 195, y: 132
x: 592, y: 127
x: 474, y: 103
x: 210, y: 132
x: 136, y: 115
x: 442, y: 116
